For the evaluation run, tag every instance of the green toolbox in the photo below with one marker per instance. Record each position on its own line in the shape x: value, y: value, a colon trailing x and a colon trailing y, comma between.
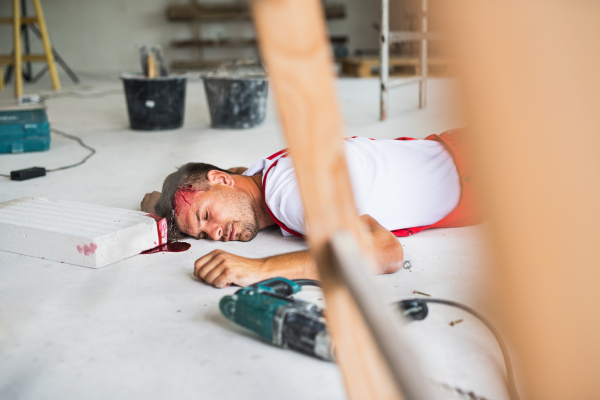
x: 23, y: 129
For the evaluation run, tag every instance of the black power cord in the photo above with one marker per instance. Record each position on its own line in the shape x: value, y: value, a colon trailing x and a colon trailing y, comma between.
x: 80, y: 95
x: 68, y: 136
x: 40, y: 171
x: 78, y: 139
x: 416, y: 309
x: 512, y: 388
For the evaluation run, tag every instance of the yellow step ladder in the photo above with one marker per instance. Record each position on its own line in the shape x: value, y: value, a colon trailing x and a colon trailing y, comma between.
x: 17, y: 59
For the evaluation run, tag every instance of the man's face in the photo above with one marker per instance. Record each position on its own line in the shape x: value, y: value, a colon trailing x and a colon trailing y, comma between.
x: 221, y: 213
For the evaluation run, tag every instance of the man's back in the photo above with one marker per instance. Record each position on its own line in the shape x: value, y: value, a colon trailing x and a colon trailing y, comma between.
x: 400, y: 183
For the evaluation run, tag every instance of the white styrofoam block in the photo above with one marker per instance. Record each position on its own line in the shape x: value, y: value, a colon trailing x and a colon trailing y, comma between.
x: 75, y: 233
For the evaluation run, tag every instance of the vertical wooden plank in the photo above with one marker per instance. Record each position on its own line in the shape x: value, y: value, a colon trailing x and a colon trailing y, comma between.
x: 293, y: 44
x: 354, y: 268
x: 47, y: 46
x: 536, y: 117
x: 17, y: 43
x: 364, y: 70
x: 1, y: 77
x: 196, y: 33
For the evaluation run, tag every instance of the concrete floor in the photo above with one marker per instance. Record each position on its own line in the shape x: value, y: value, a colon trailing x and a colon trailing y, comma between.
x: 144, y: 328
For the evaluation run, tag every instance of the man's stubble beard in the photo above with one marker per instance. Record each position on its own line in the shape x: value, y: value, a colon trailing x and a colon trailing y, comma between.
x: 245, y: 209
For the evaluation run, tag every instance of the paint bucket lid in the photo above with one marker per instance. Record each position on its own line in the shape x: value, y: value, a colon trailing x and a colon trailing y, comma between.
x: 237, y: 69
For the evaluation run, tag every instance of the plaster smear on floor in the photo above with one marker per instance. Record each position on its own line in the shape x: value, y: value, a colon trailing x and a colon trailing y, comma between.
x: 144, y: 328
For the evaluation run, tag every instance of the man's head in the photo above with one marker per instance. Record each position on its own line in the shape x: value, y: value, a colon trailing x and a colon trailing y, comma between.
x: 202, y: 201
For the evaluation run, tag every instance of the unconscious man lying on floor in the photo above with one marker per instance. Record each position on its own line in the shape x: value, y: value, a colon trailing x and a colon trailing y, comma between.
x: 400, y: 186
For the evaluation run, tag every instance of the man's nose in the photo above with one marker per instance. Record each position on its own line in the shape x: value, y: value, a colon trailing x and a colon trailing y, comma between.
x: 215, y: 232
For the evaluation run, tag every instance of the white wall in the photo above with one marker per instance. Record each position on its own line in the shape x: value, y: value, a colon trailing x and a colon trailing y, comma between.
x: 101, y: 35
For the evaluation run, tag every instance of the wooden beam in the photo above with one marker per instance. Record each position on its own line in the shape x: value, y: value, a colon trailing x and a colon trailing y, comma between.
x: 354, y: 269
x: 10, y: 60
x: 233, y: 11
x: 236, y: 42
x: 47, y: 46
x: 293, y: 45
x: 23, y: 20
x: 195, y: 64
x: 1, y: 75
x: 536, y: 124
x: 18, y: 72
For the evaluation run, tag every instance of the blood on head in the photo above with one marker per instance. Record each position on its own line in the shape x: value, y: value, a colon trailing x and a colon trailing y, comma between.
x: 183, y: 198
x: 183, y: 201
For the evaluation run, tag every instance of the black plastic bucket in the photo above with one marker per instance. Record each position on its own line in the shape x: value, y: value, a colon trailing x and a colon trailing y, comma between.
x: 236, y: 102
x: 155, y: 104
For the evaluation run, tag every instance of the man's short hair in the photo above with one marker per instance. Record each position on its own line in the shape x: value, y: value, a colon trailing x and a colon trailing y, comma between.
x: 189, y: 176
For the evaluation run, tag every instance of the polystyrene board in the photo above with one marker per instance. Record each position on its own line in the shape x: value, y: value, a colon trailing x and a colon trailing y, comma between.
x: 75, y: 233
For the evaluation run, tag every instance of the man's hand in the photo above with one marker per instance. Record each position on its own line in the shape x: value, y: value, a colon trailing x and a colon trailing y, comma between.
x: 221, y: 269
x: 150, y: 201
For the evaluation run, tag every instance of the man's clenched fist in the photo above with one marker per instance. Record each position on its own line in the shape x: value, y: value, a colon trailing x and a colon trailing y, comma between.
x: 221, y: 269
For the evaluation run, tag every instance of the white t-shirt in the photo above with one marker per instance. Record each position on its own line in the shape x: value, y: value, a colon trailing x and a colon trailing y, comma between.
x: 400, y: 183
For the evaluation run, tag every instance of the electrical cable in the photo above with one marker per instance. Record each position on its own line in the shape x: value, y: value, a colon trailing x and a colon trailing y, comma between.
x: 85, y: 146
x: 457, y: 392
x: 72, y: 137
x: 512, y: 388
x: 97, y: 77
x: 307, y: 282
x: 79, y: 95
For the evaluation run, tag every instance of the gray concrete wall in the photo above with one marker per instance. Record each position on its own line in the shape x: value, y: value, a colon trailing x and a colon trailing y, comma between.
x: 101, y: 36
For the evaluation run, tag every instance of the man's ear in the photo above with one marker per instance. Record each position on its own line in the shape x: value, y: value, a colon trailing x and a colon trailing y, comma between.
x: 221, y: 177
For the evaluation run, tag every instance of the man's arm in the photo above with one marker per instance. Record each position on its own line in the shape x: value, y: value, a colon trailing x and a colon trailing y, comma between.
x: 222, y: 269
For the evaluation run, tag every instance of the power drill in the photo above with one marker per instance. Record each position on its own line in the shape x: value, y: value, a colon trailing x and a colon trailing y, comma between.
x: 267, y: 309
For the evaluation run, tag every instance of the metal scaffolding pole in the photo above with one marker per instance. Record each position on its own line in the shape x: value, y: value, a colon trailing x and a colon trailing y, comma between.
x: 384, y: 51
x: 385, y: 38
x: 423, y: 81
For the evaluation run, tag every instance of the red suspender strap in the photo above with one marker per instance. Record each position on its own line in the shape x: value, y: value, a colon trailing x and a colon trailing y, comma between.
x: 264, y: 182
x: 275, y: 155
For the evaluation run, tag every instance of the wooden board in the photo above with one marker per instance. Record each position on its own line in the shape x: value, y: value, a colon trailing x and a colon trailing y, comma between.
x: 534, y: 117
x: 24, y: 20
x: 195, y: 64
x: 10, y: 60
x: 232, y: 11
x: 367, y: 67
x: 294, y: 48
x: 236, y: 42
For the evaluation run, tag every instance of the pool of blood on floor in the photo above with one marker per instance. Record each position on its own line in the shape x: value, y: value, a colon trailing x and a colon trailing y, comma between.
x: 173, y: 247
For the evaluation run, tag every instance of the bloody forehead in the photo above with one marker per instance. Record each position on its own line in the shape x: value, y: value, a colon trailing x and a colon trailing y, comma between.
x: 183, y: 198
